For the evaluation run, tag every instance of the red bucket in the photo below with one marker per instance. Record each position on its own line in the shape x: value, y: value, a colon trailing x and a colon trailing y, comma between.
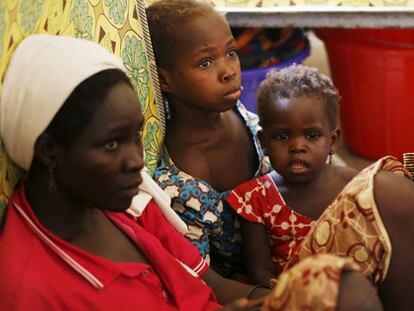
x: 373, y: 70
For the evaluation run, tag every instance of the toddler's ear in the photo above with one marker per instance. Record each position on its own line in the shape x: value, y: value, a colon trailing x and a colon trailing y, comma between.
x: 335, y: 137
x: 164, y: 80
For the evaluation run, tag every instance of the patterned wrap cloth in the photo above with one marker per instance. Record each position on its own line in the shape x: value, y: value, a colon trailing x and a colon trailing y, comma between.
x: 352, y: 226
x: 311, y: 285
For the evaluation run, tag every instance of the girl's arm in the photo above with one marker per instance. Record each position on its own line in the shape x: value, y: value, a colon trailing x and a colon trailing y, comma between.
x: 257, y: 253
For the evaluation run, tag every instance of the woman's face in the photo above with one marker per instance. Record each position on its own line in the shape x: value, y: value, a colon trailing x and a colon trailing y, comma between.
x: 102, y: 168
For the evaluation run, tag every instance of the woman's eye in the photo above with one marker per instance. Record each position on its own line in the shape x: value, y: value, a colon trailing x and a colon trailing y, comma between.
x: 205, y: 64
x: 112, y: 145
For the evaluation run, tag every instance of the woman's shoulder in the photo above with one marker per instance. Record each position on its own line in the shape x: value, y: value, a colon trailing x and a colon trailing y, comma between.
x: 394, y: 191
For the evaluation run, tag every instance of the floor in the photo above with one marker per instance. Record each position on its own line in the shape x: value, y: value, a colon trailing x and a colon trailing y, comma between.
x: 319, y: 59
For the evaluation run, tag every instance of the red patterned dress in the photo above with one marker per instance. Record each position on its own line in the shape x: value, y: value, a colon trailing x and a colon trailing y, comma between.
x: 259, y: 201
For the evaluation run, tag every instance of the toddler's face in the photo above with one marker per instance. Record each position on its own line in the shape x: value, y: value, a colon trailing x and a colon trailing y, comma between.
x: 206, y: 71
x: 298, y: 138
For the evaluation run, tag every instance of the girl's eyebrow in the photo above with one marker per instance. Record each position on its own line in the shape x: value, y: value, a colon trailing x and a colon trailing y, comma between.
x: 231, y: 41
x: 206, y: 49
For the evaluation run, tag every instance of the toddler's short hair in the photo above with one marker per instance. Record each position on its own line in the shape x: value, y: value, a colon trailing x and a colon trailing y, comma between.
x: 297, y: 81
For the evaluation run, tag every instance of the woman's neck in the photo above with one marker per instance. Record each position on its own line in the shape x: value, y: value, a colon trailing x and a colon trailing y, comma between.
x: 56, y: 211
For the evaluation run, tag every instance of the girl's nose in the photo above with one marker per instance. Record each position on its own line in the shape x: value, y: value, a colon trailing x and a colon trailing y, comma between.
x: 228, y: 73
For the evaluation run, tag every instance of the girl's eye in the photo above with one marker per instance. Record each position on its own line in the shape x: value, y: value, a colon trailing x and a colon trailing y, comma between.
x: 232, y: 53
x: 205, y: 64
x: 111, y: 146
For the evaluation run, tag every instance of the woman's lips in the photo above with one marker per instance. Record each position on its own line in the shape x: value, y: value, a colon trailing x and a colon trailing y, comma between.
x: 132, y: 189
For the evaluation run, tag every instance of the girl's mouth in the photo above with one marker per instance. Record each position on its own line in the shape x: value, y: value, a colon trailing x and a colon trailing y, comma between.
x: 233, y: 94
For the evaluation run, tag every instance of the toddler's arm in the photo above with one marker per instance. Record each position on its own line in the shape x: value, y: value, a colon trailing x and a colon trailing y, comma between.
x: 256, y: 251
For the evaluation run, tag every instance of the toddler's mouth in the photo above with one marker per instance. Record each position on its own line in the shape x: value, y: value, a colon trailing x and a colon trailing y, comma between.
x: 298, y: 166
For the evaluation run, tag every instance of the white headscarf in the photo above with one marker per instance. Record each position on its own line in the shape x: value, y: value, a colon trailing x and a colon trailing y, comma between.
x: 43, y: 72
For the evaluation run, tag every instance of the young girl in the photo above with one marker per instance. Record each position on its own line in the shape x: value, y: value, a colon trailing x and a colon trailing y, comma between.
x: 310, y: 206
x: 210, y: 143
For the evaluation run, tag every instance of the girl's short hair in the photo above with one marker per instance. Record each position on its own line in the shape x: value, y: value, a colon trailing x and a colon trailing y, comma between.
x: 297, y: 81
x: 165, y: 21
x: 80, y: 106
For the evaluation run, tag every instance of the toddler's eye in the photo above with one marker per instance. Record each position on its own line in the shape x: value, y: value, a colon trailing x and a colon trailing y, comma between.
x: 281, y: 136
x: 112, y: 145
x: 205, y: 64
x: 313, y: 136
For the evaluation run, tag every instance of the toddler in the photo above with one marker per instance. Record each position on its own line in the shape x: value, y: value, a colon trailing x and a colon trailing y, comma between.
x: 309, y: 206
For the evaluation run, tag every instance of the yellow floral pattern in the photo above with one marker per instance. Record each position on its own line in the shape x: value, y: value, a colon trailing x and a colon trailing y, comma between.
x: 118, y: 25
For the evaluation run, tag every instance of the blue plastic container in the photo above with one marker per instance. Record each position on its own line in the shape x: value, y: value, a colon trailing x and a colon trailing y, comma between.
x: 251, y: 78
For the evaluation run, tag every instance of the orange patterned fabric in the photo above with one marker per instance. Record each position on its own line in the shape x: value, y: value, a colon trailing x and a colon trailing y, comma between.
x: 312, y: 284
x: 352, y: 226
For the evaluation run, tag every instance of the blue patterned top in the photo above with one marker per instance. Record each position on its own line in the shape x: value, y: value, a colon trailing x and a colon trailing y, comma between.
x: 213, y: 226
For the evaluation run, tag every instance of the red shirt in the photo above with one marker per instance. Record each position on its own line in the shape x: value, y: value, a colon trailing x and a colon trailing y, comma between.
x: 39, y: 271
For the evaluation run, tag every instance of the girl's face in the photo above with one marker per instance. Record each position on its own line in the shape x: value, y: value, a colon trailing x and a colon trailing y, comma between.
x: 298, y: 138
x: 206, y: 70
x: 102, y: 168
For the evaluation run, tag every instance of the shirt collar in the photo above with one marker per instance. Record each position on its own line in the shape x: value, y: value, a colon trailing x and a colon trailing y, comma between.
x: 98, y: 271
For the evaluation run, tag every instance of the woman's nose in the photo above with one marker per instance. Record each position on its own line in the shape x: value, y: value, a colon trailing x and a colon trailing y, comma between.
x: 134, y: 159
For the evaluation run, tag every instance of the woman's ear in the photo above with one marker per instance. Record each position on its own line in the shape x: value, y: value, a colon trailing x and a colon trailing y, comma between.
x: 335, y: 137
x: 165, y: 81
x: 46, y: 150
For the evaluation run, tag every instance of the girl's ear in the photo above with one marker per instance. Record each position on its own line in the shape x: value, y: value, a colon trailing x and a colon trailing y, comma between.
x: 165, y: 80
x: 46, y: 150
x: 261, y: 137
x: 335, y: 136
